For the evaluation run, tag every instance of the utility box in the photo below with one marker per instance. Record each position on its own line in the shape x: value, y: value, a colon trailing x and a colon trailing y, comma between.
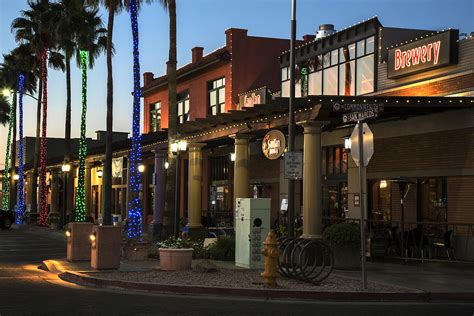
x: 252, y: 224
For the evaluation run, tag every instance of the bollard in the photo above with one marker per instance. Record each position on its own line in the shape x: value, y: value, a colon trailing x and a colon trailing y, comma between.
x: 270, y: 251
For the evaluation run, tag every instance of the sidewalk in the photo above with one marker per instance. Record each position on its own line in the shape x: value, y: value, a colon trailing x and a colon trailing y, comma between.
x: 427, y: 277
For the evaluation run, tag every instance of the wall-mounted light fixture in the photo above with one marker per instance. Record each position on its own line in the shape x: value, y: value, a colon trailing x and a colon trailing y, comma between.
x: 383, y: 184
x: 141, y: 168
x: 232, y: 156
x: 16, y: 177
x: 167, y: 164
x: 100, y: 173
x: 68, y: 233
x: 66, y: 167
x: 347, y: 143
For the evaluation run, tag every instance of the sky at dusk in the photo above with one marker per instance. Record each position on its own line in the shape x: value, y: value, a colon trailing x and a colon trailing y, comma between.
x: 202, y: 23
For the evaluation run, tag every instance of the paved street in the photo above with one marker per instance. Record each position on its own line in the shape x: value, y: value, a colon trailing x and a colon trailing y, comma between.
x: 26, y: 290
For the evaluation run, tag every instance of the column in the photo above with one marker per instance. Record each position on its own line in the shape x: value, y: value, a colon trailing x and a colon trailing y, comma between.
x: 194, y: 185
x: 28, y: 190
x: 241, y: 172
x: 55, y: 191
x: 160, y: 191
x: 88, y: 184
x: 312, y: 195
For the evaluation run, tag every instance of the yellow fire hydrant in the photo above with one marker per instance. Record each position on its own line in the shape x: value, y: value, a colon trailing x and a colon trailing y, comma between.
x: 271, y: 253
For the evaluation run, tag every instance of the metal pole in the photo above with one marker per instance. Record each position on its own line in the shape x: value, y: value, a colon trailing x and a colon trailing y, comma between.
x: 291, y: 121
x: 362, y: 204
x: 63, y: 210
x: 177, y: 194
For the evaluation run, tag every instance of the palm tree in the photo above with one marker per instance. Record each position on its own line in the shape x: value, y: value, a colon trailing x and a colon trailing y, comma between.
x: 17, y: 72
x: 113, y: 7
x: 91, y: 41
x: 36, y: 27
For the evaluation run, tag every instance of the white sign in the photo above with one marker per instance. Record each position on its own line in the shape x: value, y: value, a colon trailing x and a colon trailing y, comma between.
x: 368, y: 144
x: 294, y: 165
x: 117, y: 167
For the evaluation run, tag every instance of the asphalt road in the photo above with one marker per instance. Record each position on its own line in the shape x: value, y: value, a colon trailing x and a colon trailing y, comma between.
x: 26, y: 290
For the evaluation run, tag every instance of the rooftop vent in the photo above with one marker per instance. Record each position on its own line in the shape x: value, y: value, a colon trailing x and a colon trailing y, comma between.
x: 325, y: 30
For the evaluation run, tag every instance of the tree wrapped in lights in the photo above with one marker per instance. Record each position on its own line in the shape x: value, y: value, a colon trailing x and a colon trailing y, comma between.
x: 80, y: 214
x: 134, y: 215
x: 6, y: 178
x: 43, y: 214
x: 20, y: 212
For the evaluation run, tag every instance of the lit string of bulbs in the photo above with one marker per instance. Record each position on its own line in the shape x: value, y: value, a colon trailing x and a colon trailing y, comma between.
x: 80, y: 214
x: 6, y: 177
x: 43, y: 214
x: 134, y: 216
x: 20, y: 185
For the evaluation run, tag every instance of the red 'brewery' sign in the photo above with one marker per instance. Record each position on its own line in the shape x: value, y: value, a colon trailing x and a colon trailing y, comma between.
x: 425, y: 54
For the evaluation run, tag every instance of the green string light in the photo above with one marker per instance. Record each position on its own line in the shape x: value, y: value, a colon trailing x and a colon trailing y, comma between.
x: 81, y: 194
x: 6, y: 184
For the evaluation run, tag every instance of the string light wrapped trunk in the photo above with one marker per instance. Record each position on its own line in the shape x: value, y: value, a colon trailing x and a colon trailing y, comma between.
x: 134, y: 214
x: 80, y: 213
x: 20, y: 211
x: 6, y: 177
x: 43, y: 190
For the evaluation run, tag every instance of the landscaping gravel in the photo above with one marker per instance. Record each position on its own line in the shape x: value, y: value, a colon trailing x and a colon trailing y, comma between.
x: 243, y: 279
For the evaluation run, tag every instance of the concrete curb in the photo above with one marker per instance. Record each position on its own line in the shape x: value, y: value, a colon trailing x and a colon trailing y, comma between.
x: 267, y: 294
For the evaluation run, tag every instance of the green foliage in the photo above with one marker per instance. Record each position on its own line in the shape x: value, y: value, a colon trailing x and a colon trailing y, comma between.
x: 223, y: 248
x: 176, y: 243
x: 345, y: 234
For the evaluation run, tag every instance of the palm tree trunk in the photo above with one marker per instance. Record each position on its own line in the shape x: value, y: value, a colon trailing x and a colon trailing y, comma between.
x: 43, y: 214
x: 134, y: 215
x: 172, y: 122
x: 107, y: 190
x: 13, y: 154
x: 34, y: 187
x: 67, y: 128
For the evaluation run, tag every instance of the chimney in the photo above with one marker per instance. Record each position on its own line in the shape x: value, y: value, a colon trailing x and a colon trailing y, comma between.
x: 147, y: 78
x: 308, y: 37
x: 234, y: 34
x: 325, y: 30
x: 197, y: 53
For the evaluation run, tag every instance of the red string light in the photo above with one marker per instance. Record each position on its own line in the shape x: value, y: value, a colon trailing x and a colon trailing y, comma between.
x: 43, y: 215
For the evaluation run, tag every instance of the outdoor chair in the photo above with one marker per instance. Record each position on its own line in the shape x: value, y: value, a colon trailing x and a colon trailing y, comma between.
x: 446, y: 244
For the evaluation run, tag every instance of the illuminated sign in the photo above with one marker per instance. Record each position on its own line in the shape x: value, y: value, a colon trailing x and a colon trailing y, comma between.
x: 249, y: 99
x: 273, y: 144
x: 425, y: 54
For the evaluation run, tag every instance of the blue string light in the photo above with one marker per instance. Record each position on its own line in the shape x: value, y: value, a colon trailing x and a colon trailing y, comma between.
x: 20, y: 211
x: 134, y: 216
x: 80, y: 214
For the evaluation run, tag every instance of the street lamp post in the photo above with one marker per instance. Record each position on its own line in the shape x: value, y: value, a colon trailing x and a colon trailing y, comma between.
x: 65, y: 168
x: 291, y: 121
x: 177, y: 148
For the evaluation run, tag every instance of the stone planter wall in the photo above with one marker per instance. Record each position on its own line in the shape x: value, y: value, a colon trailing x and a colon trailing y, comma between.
x: 175, y: 259
x: 136, y: 251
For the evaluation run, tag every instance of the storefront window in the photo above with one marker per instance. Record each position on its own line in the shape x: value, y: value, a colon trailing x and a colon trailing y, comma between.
x: 361, y: 48
x: 347, y: 78
x: 155, y: 117
x: 334, y: 57
x: 369, y: 45
x: 330, y: 81
x: 365, y: 75
x: 216, y: 90
x: 327, y: 59
x: 315, y: 81
x: 183, y: 107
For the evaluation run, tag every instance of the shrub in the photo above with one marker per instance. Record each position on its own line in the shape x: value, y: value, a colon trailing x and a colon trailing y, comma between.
x: 176, y: 243
x: 223, y: 248
x: 345, y: 234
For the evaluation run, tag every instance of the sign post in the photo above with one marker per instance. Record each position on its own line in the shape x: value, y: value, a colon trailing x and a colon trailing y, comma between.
x: 362, y: 203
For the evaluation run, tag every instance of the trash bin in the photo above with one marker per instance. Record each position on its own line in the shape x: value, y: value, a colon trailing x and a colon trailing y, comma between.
x: 115, y: 219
